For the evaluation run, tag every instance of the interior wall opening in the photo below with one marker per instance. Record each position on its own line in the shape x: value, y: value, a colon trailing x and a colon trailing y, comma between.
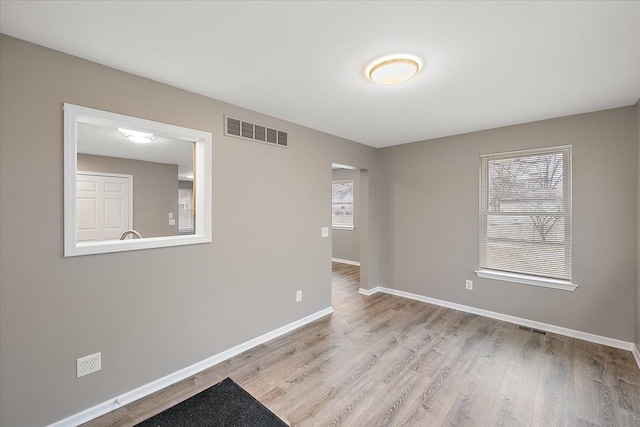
x: 349, y: 219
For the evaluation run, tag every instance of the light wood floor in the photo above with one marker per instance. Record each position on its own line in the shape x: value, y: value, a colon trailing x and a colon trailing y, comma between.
x: 385, y: 360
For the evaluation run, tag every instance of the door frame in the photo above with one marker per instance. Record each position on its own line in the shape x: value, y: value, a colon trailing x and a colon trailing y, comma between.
x: 364, y: 221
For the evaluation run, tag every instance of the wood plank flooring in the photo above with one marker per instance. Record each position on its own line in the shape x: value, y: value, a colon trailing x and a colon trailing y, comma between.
x: 388, y: 361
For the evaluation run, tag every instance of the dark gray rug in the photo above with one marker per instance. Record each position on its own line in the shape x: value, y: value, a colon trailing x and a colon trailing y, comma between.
x: 226, y: 404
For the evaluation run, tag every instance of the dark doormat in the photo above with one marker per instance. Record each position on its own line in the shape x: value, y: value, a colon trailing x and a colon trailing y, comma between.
x: 226, y: 404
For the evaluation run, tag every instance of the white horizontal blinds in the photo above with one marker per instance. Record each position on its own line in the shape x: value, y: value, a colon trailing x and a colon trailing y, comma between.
x: 526, y: 212
x: 342, y: 203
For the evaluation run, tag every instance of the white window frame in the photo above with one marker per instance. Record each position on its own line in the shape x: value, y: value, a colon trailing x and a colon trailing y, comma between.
x: 353, y: 208
x: 514, y: 277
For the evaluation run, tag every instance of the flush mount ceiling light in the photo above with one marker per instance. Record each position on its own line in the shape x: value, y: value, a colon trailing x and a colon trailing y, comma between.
x: 393, y: 70
x: 137, y: 136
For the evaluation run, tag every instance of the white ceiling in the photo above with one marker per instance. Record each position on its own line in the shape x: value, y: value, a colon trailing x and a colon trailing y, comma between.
x: 487, y: 64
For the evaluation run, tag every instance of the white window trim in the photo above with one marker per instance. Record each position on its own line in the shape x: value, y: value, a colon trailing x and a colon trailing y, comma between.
x: 527, y: 279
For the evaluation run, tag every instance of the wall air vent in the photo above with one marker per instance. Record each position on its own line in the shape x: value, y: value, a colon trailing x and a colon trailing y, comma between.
x: 239, y: 128
x: 537, y: 331
x: 232, y: 127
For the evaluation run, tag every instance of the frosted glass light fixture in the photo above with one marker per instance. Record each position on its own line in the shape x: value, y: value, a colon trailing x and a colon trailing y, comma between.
x: 393, y: 71
x: 136, y: 136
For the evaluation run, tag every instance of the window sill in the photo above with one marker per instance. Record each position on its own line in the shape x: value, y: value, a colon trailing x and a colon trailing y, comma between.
x: 342, y: 227
x: 525, y: 279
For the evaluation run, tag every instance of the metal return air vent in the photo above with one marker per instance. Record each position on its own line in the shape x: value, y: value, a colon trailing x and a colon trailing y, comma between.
x: 246, y: 130
x: 537, y: 331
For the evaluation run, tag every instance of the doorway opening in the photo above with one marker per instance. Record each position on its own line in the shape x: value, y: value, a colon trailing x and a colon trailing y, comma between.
x: 349, y: 222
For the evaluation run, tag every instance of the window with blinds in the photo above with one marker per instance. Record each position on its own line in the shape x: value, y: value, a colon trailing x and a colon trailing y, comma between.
x: 525, y: 212
x: 342, y: 204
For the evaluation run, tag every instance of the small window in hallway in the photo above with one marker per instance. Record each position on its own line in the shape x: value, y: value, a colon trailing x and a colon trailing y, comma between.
x: 185, y: 209
x: 342, y: 204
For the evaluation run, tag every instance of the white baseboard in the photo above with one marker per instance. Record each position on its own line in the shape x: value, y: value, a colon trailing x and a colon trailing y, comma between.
x: 636, y: 354
x: 152, y: 387
x: 345, y: 261
x: 598, y: 339
x: 369, y: 292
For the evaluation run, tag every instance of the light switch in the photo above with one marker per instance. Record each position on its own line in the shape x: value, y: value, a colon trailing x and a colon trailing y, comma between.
x: 172, y: 222
x: 325, y: 231
x: 170, y: 215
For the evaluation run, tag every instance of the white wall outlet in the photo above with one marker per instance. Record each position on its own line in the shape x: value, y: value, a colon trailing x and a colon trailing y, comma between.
x: 88, y: 364
x: 325, y: 231
x: 298, y: 296
x: 172, y: 222
x: 170, y: 215
x: 469, y: 284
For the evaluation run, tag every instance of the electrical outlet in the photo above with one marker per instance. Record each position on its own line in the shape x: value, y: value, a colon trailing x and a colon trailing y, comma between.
x: 325, y: 231
x: 469, y: 284
x: 88, y: 364
x: 172, y: 222
x: 298, y: 296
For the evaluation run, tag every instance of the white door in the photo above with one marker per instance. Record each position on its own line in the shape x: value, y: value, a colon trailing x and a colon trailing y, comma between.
x: 105, y: 206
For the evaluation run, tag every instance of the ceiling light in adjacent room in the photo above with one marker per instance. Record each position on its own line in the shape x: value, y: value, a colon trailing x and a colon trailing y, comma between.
x: 136, y: 136
x: 391, y: 71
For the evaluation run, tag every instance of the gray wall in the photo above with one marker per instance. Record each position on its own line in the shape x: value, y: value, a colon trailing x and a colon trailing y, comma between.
x: 346, y: 243
x: 637, y: 324
x: 430, y: 227
x: 150, y: 312
x: 155, y: 191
